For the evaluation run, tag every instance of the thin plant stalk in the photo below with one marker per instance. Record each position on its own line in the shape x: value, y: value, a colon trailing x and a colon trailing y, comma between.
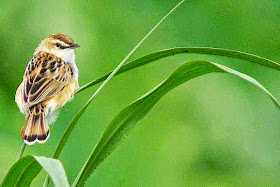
x: 131, y: 52
x: 22, y: 148
x: 77, y: 180
x: 78, y: 115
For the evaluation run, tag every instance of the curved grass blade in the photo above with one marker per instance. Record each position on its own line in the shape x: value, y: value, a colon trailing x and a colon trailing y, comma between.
x: 127, y: 119
x: 27, y: 168
x: 199, y: 50
x: 22, y: 148
x: 107, y: 79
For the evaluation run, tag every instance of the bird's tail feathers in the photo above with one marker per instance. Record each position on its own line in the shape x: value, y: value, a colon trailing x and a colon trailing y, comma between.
x: 37, y: 129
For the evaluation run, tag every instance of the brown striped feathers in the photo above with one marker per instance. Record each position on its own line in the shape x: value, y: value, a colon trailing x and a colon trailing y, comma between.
x: 48, y: 77
x: 62, y: 37
x: 37, y: 127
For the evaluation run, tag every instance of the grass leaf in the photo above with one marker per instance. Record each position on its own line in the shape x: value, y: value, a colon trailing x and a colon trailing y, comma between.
x: 106, y: 80
x: 27, y: 168
x: 127, y: 119
x: 199, y: 50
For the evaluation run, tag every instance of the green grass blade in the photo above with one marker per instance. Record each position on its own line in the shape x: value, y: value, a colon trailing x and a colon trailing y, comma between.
x: 127, y: 119
x: 27, y: 168
x: 107, y: 79
x: 199, y: 50
x: 22, y: 148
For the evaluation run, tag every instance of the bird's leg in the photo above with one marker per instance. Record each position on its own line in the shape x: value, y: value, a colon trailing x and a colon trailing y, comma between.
x: 22, y: 131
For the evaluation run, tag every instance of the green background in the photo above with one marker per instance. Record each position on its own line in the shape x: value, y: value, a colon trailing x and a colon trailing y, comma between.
x: 216, y: 130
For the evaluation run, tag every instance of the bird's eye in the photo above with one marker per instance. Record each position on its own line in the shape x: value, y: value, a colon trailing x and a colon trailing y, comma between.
x: 57, y: 44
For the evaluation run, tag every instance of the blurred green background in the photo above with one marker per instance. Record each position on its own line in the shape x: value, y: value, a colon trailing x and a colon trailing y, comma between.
x: 216, y: 130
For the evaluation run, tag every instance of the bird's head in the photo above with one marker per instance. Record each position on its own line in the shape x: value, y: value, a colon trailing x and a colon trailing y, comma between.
x: 59, y: 45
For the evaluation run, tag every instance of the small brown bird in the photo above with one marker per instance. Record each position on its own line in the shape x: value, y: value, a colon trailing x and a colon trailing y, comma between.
x: 49, y: 82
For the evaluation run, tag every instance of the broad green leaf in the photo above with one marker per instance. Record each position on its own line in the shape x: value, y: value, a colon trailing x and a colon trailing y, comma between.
x: 27, y: 168
x: 199, y: 50
x: 127, y: 119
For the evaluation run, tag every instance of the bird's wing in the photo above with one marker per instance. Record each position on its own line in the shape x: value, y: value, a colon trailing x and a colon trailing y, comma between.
x: 44, y: 76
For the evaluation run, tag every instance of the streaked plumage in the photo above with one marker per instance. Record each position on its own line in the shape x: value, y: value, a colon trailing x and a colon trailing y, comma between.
x: 49, y: 82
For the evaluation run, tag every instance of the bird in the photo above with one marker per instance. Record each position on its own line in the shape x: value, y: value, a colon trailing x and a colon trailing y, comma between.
x: 50, y: 80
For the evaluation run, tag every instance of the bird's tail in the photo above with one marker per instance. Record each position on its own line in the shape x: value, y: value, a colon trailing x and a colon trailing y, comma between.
x: 37, y: 126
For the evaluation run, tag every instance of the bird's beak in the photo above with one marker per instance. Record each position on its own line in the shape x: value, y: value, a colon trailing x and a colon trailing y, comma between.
x: 74, y: 46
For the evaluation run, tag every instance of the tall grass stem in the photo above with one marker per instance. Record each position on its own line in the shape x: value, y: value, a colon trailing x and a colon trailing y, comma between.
x: 22, y: 148
x: 77, y: 180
